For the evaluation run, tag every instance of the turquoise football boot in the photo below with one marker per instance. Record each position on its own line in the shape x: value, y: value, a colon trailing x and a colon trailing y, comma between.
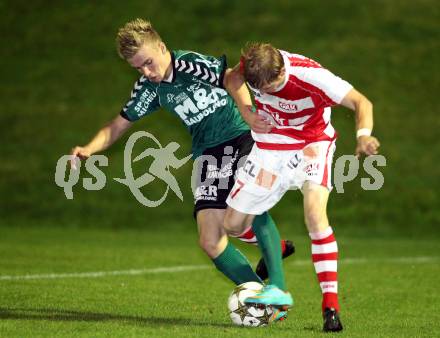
x: 278, y: 315
x: 272, y: 295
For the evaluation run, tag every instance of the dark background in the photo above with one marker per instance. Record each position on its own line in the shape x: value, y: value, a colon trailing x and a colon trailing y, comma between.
x: 62, y: 80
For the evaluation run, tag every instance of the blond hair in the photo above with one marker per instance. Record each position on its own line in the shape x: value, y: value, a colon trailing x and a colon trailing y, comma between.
x: 133, y: 35
x: 261, y: 63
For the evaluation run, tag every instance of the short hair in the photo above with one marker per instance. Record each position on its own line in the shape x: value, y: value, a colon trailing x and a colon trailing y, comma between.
x: 262, y: 63
x: 133, y: 35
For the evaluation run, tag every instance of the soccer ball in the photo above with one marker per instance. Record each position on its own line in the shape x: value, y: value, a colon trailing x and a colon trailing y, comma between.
x: 248, y: 315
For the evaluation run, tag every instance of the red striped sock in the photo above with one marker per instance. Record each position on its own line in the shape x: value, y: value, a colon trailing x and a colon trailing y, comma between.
x: 325, y: 260
x: 248, y: 236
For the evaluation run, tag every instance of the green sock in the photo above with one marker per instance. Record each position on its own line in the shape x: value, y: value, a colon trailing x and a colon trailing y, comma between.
x: 270, y: 245
x: 235, y: 266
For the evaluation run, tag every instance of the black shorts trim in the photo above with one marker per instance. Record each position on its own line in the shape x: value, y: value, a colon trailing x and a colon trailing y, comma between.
x: 201, y: 207
x: 215, y: 180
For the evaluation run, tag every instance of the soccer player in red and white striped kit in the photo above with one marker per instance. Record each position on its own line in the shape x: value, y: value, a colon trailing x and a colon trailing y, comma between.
x: 295, y: 95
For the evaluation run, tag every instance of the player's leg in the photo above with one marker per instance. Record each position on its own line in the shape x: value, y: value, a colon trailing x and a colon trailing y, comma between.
x: 268, y: 238
x: 245, y: 144
x: 235, y: 222
x: 324, y: 246
x: 276, y: 292
x: 212, y: 193
x: 214, y: 241
x: 249, y: 236
x: 256, y: 190
x: 219, y: 162
x: 316, y: 188
x: 324, y: 251
x: 255, y: 233
x: 269, y: 243
x: 287, y: 249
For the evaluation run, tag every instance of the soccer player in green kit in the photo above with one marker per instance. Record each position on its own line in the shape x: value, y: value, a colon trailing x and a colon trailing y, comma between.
x: 190, y: 85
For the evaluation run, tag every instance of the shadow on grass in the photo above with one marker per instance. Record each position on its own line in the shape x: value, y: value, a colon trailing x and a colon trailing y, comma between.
x: 70, y: 315
x: 313, y: 329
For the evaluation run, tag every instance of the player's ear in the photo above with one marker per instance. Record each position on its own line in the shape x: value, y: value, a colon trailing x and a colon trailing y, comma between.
x: 283, y: 71
x: 162, y: 47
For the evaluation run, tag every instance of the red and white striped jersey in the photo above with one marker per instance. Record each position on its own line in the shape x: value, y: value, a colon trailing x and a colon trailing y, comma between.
x: 300, y: 108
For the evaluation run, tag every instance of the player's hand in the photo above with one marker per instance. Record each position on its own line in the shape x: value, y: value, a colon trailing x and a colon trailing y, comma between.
x: 79, y: 152
x: 367, y: 145
x: 259, y: 124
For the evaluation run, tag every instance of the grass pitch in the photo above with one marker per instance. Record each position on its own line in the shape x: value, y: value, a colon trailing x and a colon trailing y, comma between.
x: 388, y: 287
x: 62, y: 80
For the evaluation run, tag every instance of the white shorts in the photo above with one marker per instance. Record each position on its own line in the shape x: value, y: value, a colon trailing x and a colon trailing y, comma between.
x: 268, y: 174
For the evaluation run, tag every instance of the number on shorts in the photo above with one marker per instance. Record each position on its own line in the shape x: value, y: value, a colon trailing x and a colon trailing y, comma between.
x: 240, y: 185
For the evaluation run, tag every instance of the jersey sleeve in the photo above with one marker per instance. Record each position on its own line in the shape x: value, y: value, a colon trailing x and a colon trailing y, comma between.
x: 208, y: 69
x: 144, y: 100
x: 323, y: 83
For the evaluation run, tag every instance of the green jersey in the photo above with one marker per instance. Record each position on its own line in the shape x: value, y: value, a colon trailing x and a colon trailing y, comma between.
x: 195, y: 95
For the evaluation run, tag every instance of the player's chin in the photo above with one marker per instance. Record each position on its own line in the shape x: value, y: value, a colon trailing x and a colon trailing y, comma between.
x: 155, y: 79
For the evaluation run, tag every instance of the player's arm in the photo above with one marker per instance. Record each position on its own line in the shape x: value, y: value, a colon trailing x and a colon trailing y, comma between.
x: 363, y: 109
x: 234, y: 83
x: 105, y: 137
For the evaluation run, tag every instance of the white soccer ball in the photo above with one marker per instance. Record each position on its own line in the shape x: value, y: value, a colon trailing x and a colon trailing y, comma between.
x: 248, y: 315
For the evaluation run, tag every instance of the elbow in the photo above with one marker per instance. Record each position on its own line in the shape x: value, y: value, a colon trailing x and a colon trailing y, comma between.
x: 368, y: 103
x: 364, y: 103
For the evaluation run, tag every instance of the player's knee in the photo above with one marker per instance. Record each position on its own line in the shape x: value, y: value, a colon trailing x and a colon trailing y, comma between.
x: 209, y: 246
x: 234, y: 223
x: 229, y: 226
x: 315, y: 203
x: 233, y: 227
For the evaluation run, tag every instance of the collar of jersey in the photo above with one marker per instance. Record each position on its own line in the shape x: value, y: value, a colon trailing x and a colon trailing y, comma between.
x: 173, y: 60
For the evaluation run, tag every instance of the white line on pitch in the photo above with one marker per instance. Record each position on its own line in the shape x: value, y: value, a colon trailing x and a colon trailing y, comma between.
x: 108, y: 273
x: 183, y: 268
x: 396, y: 260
